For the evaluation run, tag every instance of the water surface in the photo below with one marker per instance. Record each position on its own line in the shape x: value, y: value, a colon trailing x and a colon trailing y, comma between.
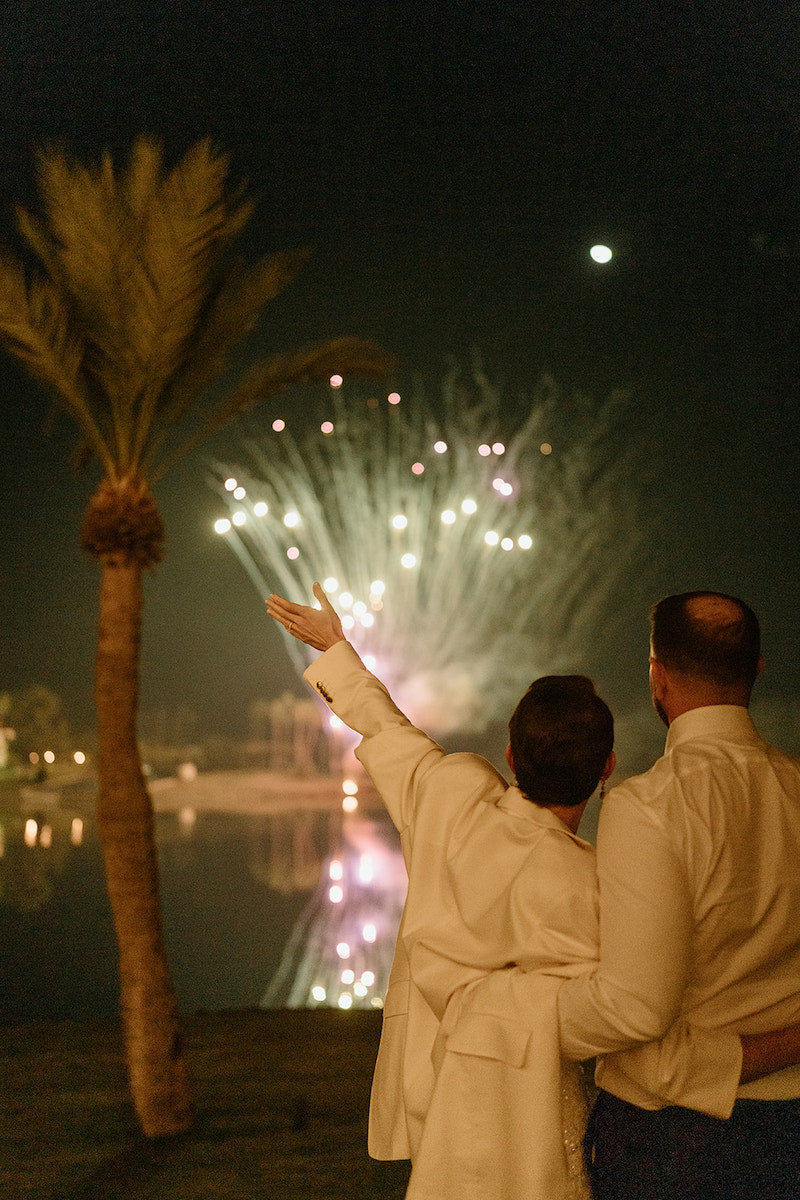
x: 293, y: 907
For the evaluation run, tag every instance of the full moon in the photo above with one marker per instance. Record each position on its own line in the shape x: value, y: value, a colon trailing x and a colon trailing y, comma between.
x: 601, y: 254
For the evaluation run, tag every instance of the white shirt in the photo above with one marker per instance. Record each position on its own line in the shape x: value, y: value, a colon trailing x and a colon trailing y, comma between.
x: 699, y: 870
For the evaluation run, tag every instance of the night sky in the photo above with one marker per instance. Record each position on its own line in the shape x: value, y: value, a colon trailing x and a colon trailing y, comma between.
x: 450, y: 164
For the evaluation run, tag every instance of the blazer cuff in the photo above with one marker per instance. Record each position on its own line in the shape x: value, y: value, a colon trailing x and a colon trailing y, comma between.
x: 331, y: 667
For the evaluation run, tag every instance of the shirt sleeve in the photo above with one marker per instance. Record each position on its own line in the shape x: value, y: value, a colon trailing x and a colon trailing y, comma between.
x: 646, y: 927
x: 693, y: 1067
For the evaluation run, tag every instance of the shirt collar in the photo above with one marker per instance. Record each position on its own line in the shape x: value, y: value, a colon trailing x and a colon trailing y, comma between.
x: 728, y: 722
x: 514, y: 801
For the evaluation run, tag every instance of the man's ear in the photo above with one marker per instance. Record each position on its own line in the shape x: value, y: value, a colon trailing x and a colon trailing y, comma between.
x: 658, y: 676
x: 510, y: 759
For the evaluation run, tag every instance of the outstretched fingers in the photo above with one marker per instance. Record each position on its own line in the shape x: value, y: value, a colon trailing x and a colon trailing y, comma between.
x: 285, y: 612
x: 317, y: 627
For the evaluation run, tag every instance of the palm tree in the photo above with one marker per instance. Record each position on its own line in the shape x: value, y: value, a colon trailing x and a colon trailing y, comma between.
x: 127, y: 313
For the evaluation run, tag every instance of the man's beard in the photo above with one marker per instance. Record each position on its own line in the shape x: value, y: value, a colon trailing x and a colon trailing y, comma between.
x: 659, y: 707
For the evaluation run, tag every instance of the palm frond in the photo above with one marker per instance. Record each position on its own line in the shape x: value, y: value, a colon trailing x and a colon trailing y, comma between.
x: 138, y: 255
x: 206, y: 162
x: 187, y: 226
x: 37, y: 237
x: 142, y: 178
x: 83, y: 219
x: 232, y: 315
x: 350, y: 356
x: 35, y: 329
x: 344, y: 356
x: 97, y: 261
x: 140, y: 306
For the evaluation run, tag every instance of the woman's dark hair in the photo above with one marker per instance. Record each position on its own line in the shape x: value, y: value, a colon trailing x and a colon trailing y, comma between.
x: 561, y: 734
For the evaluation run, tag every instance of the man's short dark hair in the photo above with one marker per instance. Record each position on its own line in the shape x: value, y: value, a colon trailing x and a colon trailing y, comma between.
x: 561, y: 734
x: 709, y: 636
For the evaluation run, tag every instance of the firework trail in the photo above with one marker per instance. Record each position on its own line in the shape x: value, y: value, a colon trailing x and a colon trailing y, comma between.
x: 467, y: 549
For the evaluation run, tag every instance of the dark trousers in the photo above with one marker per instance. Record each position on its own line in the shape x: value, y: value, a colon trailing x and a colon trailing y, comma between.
x: 680, y: 1154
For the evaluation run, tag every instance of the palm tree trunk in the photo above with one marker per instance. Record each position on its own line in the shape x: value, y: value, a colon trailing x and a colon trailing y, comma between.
x: 156, y: 1064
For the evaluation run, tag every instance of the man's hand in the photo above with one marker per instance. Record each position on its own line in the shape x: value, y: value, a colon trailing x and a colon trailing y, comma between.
x: 317, y: 627
x: 763, y: 1053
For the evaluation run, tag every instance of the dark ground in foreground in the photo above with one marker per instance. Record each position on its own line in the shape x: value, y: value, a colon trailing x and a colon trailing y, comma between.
x: 282, y: 1100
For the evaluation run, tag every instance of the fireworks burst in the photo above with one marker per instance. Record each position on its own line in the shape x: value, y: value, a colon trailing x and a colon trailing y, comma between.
x: 466, y: 551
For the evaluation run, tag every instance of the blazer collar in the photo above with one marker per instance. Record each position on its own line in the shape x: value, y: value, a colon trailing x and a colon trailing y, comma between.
x: 514, y: 802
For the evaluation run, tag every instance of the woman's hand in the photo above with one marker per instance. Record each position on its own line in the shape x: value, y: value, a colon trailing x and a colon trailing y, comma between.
x: 317, y: 627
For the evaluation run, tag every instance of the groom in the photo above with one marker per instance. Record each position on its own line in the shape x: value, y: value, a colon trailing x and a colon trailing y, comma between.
x: 699, y: 869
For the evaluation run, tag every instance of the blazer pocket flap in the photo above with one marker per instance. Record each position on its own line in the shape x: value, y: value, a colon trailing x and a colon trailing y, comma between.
x: 486, y: 1036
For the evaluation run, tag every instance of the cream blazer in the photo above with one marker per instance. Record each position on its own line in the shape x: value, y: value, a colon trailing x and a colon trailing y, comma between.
x: 493, y: 880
